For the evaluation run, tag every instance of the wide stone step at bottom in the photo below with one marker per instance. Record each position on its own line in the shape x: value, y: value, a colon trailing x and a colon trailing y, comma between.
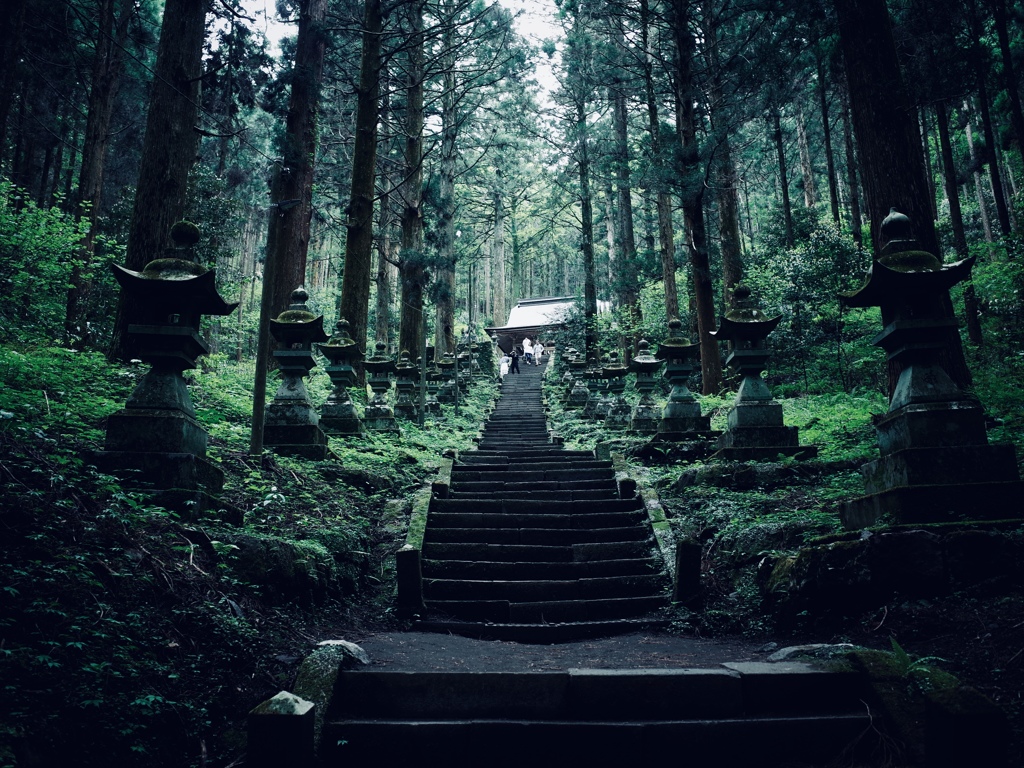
x: 537, y: 553
x: 504, y: 611
x: 482, y: 569
x: 532, y: 590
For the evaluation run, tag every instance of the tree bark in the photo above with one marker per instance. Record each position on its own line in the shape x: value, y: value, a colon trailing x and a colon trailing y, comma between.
x: 851, y: 170
x: 1010, y: 82
x: 355, y: 287
x: 780, y: 153
x: 957, y: 221
x: 806, y: 166
x: 692, y: 200
x: 826, y: 125
x: 413, y: 272
x: 106, y: 74
x: 169, y: 147
x: 292, y: 188
x: 892, y: 165
x: 587, y: 232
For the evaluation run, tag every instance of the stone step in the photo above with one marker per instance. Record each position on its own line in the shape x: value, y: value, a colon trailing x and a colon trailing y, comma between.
x: 504, y: 611
x: 532, y: 590
x: 579, y: 470
x: 565, y: 537
x: 539, y: 553
x: 633, y: 518
x: 482, y: 569
x: 515, y: 506
x: 529, y: 492
x: 555, y: 452
x: 490, y: 486
x: 766, y: 742
x: 545, y: 633
x: 728, y: 690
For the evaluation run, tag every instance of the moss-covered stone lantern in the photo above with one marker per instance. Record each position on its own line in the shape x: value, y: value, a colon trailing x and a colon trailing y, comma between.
x: 292, y: 425
x: 338, y: 416
x: 681, y: 418
x: 755, y: 427
x: 936, y: 463
x: 155, y: 441
x: 579, y: 393
x: 616, y: 416
x: 645, y: 415
x: 407, y: 375
x: 378, y: 415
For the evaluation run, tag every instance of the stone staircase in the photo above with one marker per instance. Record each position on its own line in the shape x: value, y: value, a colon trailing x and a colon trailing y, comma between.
x: 741, y: 714
x: 535, y: 543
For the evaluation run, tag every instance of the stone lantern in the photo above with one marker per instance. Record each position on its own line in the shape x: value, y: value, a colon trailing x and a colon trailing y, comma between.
x: 592, y: 375
x: 755, y: 427
x: 567, y: 377
x: 378, y: 415
x: 407, y: 375
x: 338, y: 415
x: 680, y: 419
x: 936, y: 463
x: 155, y: 441
x: 618, y: 410
x: 645, y: 416
x: 446, y: 393
x: 579, y: 394
x: 292, y: 425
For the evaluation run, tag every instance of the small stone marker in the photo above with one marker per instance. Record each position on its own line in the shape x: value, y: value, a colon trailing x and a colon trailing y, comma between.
x: 281, y: 732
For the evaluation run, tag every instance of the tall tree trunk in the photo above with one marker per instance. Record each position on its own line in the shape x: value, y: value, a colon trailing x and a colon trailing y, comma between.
x: 826, y: 125
x: 413, y: 272
x: 355, y: 287
x: 106, y: 73
x: 692, y: 200
x: 956, y: 220
x: 288, y: 235
x: 1010, y: 82
x: 979, y: 193
x: 727, y: 193
x: 587, y: 232
x: 387, y: 259
x: 444, y: 330
x: 10, y: 50
x: 626, y: 277
x: 889, y: 141
x: 666, y: 236
x: 806, y: 166
x: 1002, y: 211
x: 780, y: 153
x: 499, y: 288
x: 169, y: 146
x: 851, y: 169
x: 612, y: 264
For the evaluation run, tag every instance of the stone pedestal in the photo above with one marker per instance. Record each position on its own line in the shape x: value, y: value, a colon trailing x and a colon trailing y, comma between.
x: 618, y: 410
x: 646, y: 415
x: 755, y: 430
x: 292, y: 425
x: 155, y: 444
x: 378, y: 415
x: 936, y: 464
x: 681, y: 419
x: 406, y: 378
x: 338, y: 416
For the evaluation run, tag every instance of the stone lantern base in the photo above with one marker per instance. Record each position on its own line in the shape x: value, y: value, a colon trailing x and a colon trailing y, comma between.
x: 307, y: 441
x: 340, y: 419
x: 162, y: 453
x: 937, y: 466
x: 756, y: 433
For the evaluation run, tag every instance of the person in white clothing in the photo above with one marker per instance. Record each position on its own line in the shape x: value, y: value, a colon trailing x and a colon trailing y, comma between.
x: 527, y: 351
x: 506, y: 361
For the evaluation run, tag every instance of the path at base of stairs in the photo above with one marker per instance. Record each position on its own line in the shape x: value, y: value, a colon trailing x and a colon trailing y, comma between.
x: 425, y: 651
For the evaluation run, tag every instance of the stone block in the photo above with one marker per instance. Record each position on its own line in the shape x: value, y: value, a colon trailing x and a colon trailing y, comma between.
x: 760, y: 415
x: 281, y: 732
x: 958, y: 423
x: 154, y: 431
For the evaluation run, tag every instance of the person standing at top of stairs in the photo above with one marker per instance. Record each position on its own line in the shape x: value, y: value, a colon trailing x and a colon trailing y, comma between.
x: 527, y: 351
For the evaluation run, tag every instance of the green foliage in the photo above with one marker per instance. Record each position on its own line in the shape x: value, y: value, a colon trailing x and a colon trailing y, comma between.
x: 39, y: 247
x: 817, y: 345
